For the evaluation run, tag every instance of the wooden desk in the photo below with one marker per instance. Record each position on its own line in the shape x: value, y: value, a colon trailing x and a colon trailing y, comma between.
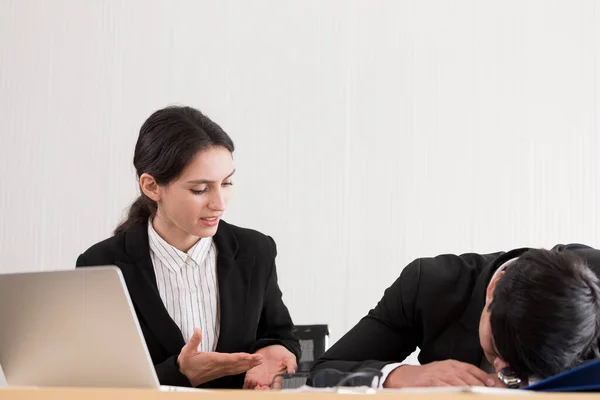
x: 139, y: 394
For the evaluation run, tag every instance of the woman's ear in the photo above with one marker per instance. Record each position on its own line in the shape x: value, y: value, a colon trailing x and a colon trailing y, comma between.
x: 149, y: 187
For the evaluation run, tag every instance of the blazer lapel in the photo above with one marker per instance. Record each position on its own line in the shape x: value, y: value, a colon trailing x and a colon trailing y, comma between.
x: 234, y: 281
x: 141, y: 282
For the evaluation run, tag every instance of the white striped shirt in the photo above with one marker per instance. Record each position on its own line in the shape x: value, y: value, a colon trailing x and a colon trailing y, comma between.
x: 187, y: 284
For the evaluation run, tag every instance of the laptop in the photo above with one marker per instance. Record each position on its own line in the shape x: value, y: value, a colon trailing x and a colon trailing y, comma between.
x: 72, y: 328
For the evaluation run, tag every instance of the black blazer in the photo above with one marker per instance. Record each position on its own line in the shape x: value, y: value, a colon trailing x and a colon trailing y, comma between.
x: 435, y: 305
x: 252, y: 311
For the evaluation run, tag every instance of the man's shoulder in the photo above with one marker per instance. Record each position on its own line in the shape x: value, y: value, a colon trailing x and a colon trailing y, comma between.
x: 442, y: 287
x: 450, y: 269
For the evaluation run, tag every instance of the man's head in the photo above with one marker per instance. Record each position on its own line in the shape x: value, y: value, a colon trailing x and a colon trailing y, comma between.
x: 542, y: 314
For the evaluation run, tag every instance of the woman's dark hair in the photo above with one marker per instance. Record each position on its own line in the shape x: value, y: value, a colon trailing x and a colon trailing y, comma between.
x: 545, y: 315
x: 168, y: 141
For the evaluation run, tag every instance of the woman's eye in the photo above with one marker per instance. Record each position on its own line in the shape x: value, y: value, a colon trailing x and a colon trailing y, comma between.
x: 198, y: 191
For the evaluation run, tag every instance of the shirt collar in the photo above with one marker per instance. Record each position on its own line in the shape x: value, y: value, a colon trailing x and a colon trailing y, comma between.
x: 173, y: 257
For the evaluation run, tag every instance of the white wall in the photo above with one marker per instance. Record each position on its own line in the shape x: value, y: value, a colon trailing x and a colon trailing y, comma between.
x: 368, y: 132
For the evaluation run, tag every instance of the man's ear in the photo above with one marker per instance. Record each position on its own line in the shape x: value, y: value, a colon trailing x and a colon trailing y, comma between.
x: 489, y: 293
x: 149, y: 187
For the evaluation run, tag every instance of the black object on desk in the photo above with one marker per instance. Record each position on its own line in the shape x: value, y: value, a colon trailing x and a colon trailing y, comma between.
x: 313, y: 342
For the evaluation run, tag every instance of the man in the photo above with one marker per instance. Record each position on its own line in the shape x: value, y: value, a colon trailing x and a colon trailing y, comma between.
x: 535, y: 312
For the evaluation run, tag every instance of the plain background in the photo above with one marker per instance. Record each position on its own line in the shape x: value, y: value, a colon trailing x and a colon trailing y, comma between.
x: 368, y: 133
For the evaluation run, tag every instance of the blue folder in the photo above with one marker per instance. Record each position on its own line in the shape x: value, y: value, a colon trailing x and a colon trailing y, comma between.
x: 583, y: 378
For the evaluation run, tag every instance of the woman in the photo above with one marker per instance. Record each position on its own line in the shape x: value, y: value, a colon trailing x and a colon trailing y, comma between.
x: 205, y: 292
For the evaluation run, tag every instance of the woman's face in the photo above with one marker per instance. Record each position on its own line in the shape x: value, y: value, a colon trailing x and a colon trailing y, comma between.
x: 193, y: 204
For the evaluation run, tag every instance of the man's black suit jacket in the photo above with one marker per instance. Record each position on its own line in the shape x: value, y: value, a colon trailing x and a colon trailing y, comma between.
x: 253, y: 314
x: 434, y: 305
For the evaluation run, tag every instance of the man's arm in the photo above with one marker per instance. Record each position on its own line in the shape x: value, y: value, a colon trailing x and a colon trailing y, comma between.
x: 429, y: 293
x: 388, y: 334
